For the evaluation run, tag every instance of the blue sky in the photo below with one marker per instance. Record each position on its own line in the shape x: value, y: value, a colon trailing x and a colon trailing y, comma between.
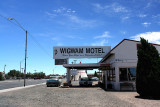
x: 71, y: 23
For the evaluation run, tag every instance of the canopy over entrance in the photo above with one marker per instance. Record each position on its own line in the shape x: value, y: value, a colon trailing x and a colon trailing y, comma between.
x: 87, y: 66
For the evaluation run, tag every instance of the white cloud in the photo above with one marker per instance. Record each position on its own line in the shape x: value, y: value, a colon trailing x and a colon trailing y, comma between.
x: 74, y: 37
x: 51, y: 14
x: 146, y: 24
x: 156, y: 16
x: 55, y: 38
x: 104, y: 35
x: 148, y: 4
x: 125, y: 18
x: 114, y: 7
x: 62, y: 11
x: 142, y: 15
x: 153, y: 37
x: 100, y: 43
x: 123, y: 32
x: 113, y: 10
x: 118, y: 8
x: 82, y: 22
x: 46, y: 34
x: 59, y: 44
x: 70, y: 15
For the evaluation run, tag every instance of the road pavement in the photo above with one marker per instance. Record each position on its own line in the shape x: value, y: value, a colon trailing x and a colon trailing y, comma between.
x: 19, y: 83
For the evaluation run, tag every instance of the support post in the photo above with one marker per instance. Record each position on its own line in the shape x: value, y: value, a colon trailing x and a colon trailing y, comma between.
x: 25, y: 61
x: 106, y: 79
x: 68, y: 75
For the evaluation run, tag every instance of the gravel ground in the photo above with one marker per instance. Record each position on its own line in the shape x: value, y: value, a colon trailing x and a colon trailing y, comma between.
x: 42, y: 96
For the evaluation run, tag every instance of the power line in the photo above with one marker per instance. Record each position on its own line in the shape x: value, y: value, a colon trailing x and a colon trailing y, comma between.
x: 39, y: 44
x: 9, y: 20
x: 32, y: 37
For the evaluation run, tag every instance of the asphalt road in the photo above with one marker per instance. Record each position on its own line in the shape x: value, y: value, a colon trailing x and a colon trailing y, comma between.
x: 19, y: 83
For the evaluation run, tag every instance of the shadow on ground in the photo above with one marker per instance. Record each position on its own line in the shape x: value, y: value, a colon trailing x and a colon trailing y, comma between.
x: 148, y: 97
x: 77, y: 86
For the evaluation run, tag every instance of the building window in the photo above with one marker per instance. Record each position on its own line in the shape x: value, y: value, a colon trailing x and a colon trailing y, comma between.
x: 111, y: 75
x: 127, y: 74
x: 132, y: 74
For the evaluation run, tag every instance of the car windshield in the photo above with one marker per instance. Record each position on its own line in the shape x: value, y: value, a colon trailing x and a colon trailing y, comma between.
x: 53, y: 77
x: 84, y: 79
x: 94, y: 79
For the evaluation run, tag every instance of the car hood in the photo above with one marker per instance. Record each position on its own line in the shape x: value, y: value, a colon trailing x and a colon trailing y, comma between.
x: 52, y: 80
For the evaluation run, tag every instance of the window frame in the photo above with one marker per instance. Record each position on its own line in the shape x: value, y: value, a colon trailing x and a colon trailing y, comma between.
x: 127, y: 74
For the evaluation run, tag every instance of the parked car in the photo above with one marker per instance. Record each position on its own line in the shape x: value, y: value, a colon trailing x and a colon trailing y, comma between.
x: 89, y: 81
x: 83, y: 81
x: 93, y: 81
x: 53, y: 82
x: 36, y: 78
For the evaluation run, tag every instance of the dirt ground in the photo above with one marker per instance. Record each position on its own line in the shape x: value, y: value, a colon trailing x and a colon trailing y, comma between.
x: 42, y: 96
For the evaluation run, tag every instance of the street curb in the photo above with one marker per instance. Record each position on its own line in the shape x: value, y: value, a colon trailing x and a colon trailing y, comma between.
x: 18, y: 88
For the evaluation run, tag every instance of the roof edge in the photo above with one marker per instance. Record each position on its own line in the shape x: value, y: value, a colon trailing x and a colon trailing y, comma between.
x: 118, y: 45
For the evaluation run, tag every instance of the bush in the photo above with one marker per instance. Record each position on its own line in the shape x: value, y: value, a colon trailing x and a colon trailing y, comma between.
x: 148, y: 70
x: 1, y: 76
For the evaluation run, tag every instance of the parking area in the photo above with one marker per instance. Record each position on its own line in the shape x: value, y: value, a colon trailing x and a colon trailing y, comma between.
x: 42, y: 96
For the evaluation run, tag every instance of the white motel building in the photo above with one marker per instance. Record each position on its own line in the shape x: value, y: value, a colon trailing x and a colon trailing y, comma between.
x: 118, y: 66
x: 122, y: 60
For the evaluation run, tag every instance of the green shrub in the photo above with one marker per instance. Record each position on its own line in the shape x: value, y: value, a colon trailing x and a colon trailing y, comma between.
x: 1, y: 76
x: 148, y: 70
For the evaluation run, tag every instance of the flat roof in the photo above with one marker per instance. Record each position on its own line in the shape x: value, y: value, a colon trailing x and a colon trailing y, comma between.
x: 82, y: 66
x: 86, y: 66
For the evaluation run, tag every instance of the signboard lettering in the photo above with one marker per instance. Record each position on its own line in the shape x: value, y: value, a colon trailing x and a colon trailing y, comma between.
x: 80, y: 52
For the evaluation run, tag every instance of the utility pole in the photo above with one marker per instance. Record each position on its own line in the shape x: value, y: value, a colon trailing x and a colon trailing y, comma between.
x: 20, y: 67
x: 25, y: 47
x: 22, y: 71
x: 25, y: 60
x: 4, y: 72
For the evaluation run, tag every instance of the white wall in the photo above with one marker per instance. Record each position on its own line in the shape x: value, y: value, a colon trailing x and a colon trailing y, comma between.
x: 126, y: 50
x: 81, y: 73
x: 124, y: 56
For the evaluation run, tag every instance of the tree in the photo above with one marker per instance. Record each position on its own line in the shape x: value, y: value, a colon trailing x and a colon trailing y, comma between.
x: 39, y: 74
x: 1, y: 76
x: 14, y: 73
x: 148, y: 70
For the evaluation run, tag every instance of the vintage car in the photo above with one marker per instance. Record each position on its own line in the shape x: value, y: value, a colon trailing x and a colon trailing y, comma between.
x: 89, y: 81
x: 53, y: 82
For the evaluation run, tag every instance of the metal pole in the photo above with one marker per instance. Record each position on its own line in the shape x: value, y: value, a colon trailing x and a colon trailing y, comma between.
x: 20, y: 67
x: 4, y: 68
x: 25, y: 47
x: 25, y: 60
x: 4, y: 72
